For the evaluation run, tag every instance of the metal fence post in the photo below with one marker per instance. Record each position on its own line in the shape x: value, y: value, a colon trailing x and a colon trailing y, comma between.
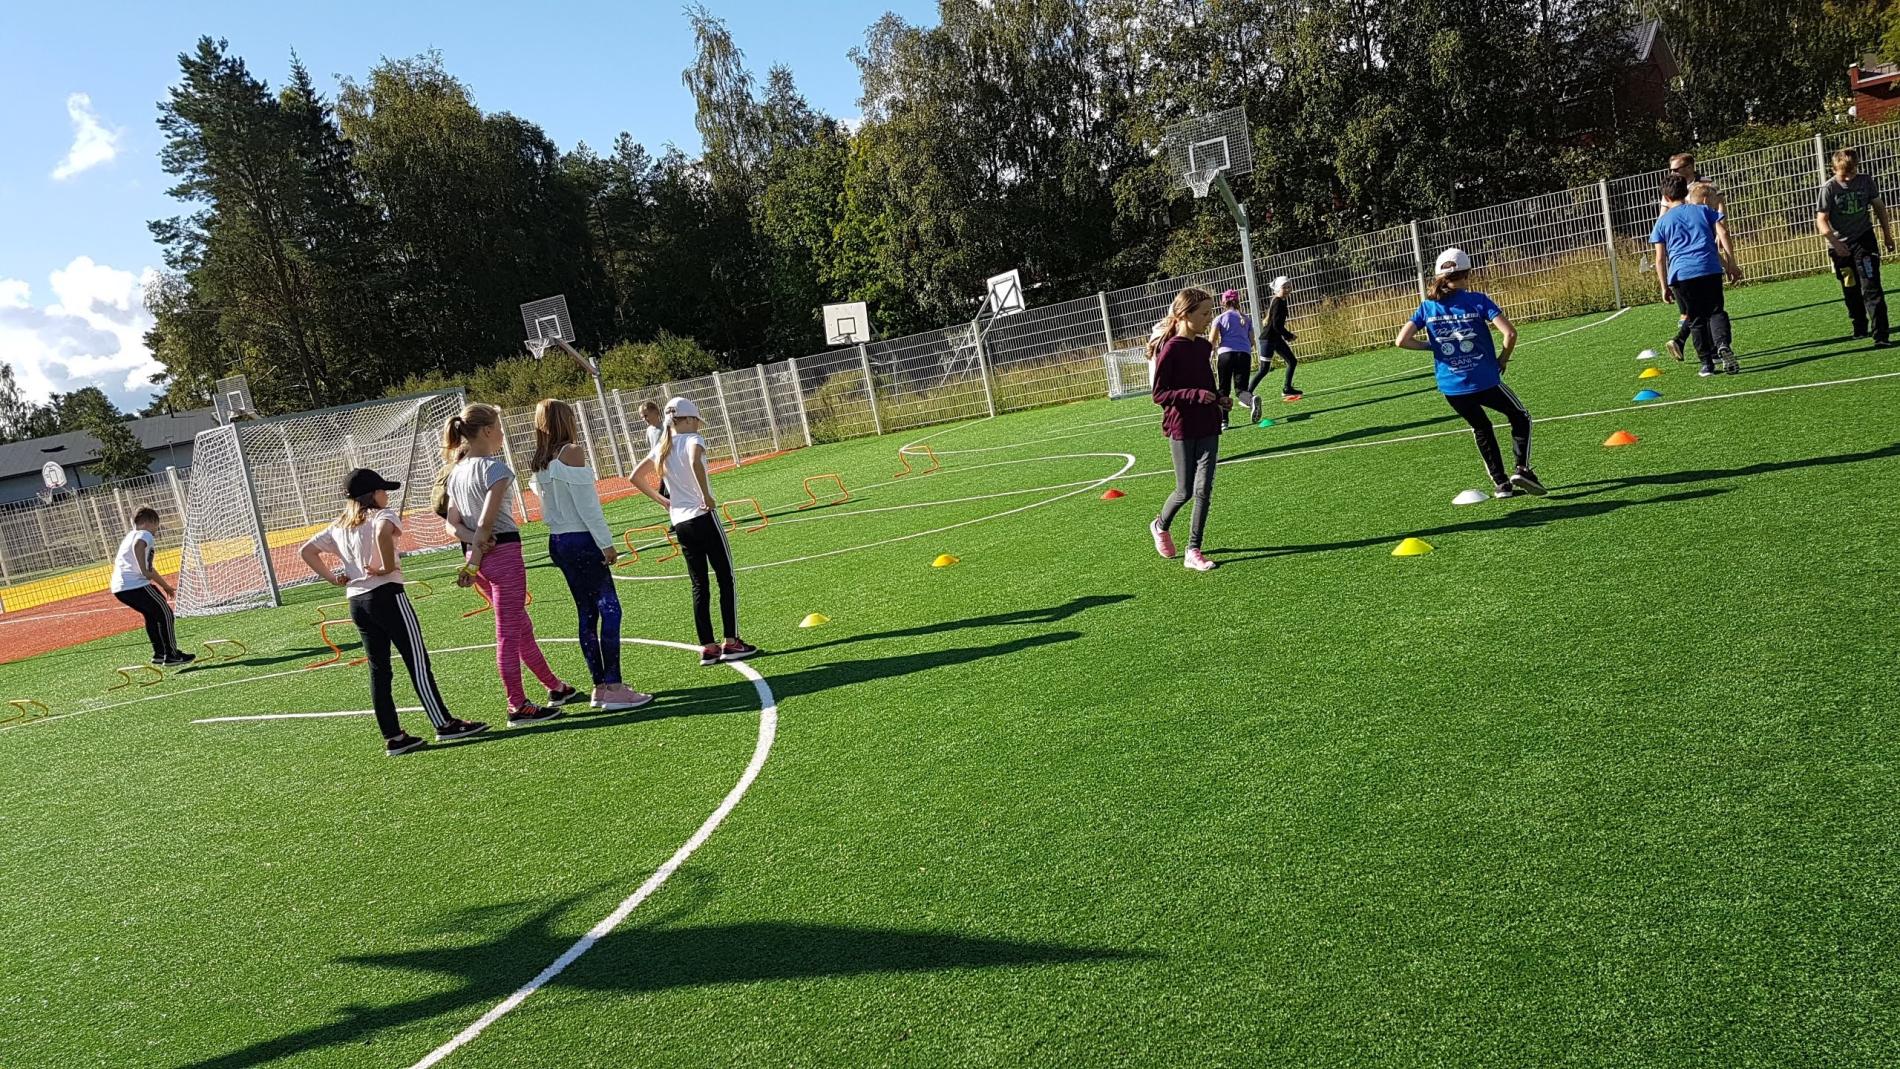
x: 1108, y: 325
x: 798, y: 391
x: 1609, y: 240
x: 508, y: 455
x: 870, y: 388
x: 620, y: 413
x: 1418, y: 257
x: 1820, y: 157
x: 765, y: 398
x: 725, y: 418
x: 587, y: 436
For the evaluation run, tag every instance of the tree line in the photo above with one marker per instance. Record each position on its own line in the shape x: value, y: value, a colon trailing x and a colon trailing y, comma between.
x: 335, y: 248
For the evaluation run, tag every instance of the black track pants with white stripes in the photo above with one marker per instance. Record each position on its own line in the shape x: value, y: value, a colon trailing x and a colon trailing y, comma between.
x: 384, y: 617
x: 1472, y: 405
x: 158, y: 618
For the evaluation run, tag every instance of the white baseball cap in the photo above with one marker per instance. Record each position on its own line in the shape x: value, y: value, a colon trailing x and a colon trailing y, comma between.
x: 1280, y: 283
x: 1453, y: 260
x: 682, y: 406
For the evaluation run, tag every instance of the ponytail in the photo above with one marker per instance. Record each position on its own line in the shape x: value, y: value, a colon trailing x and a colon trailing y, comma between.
x: 356, y: 513
x: 664, y: 447
x: 1441, y: 286
x: 1184, y: 305
x: 463, y: 428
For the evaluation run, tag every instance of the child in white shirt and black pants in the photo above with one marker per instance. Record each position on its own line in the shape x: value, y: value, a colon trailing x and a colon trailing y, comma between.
x: 137, y: 585
x: 364, y: 540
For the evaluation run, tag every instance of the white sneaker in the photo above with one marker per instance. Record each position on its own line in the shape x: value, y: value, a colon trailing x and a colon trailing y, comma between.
x: 1196, y: 562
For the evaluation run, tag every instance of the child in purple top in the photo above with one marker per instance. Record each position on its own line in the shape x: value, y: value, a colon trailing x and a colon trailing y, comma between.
x: 1191, y: 417
x: 1233, y: 348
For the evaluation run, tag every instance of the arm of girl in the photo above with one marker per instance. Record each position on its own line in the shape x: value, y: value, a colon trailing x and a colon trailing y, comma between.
x: 1509, y: 331
x: 492, y: 504
x: 645, y: 477
x: 576, y: 457
x: 458, y: 528
x: 697, y: 455
x: 387, y: 559
x: 1166, y: 392
x: 312, y: 554
x: 1408, y: 338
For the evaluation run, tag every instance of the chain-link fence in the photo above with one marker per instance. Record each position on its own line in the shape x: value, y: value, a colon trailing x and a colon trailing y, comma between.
x: 61, y: 547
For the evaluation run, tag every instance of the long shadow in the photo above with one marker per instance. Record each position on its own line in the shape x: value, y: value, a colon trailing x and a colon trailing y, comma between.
x: 1051, y: 615
x: 249, y: 661
x: 1594, y: 487
x: 739, y: 696
x: 1785, y: 311
x: 1348, y: 436
x: 649, y: 959
x: 1309, y: 413
x: 1395, y: 377
x: 1518, y: 519
x: 1749, y: 367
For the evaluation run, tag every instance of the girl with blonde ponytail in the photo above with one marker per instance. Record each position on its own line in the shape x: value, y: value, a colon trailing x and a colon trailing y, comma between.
x: 1191, y: 411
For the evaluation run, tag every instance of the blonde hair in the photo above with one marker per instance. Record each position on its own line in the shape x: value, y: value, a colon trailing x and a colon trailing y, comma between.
x: 555, y: 428
x: 664, y: 447
x: 1847, y: 155
x: 1699, y: 192
x: 356, y: 512
x: 1185, y: 302
x: 1440, y: 287
x: 1681, y: 158
x: 463, y: 428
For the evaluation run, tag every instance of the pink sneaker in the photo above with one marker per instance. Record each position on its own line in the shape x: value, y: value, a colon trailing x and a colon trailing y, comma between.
x: 1164, y: 542
x: 1197, y: 562
x: 618, y: 696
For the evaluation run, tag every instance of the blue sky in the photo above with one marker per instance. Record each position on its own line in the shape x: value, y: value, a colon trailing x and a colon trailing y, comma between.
x: 81, y: 86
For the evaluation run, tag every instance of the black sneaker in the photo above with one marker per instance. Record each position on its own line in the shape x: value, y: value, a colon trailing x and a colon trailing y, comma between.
x: 1527, y: 481
x: 709, y: 655
x: 1730, y: 365
x: 1675, y: 349
x: 458, y: 729
x: 565, y: 696
x: 1861, y: 332
x: 1707, y: 369
x: 737, y: 649
x: 1504, y: 490
x: 532, y: 714
x: 1882, y: 343
x: 402, y: 744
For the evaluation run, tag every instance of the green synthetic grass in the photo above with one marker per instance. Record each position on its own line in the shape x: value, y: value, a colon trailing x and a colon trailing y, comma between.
x: 1607, y: 779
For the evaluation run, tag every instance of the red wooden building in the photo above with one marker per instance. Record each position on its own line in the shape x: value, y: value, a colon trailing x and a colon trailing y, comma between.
x: 1876, y: 86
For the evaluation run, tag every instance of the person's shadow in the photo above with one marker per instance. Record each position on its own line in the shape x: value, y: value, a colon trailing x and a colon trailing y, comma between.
x: 1050, y: 615
x: 640, y: 960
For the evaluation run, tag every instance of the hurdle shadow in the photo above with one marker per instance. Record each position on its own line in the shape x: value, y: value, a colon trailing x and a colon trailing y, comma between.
x: 1574, y: 491
x: 645, y: 960
x: 1518, y: 519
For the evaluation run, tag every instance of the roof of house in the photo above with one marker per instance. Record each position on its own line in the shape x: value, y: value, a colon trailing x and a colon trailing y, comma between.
x: 1873, y: 70
x: 1648, y: 44
x: 80, y: 447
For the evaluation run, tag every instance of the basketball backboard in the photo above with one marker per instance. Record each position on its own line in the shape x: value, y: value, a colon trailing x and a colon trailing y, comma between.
x: 1202, y: 146
x: 847, y: 324
x: 1006, y: 293
x: 231, y: 398
x: 53, y: 475
x: 547, y: 320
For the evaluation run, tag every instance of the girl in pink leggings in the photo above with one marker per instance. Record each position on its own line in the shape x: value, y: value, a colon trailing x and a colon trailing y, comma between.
x: 478, y: 516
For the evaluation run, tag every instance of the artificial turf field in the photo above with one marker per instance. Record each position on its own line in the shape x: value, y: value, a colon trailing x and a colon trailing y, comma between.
x: 1607, y: 779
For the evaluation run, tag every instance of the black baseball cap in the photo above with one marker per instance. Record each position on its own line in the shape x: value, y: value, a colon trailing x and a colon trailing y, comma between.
x: 364, y: 482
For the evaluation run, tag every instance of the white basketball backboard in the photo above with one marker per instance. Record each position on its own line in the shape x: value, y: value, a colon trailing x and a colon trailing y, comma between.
x: 1202, y: 146
x: 53, y: 475
x: 231, y: 398
x: 1006, y: 293
x: 547, y: 319
x: 847, y: 324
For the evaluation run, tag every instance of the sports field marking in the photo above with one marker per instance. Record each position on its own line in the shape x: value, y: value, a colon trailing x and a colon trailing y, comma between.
x: 768, y: 730
x: 28, y: 616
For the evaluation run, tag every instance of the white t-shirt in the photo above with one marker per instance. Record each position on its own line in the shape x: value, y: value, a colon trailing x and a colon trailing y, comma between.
x: 126, y: 574
x: 570, y: 503
x: 468, y: 490
x: 653, y: 438
x: 682, y: 482
x: 356, y: 548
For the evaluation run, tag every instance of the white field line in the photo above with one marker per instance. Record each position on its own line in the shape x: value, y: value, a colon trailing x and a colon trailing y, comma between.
x: 768, y: 730
x: 1128, y: 461
x: 28, y: 616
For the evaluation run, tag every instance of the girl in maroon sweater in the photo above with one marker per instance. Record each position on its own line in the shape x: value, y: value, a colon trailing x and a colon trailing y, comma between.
x: 1191, y: 412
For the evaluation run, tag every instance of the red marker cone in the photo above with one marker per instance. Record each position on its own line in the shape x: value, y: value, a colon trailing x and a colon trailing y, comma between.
x: 1620, y: 438
x: 1113, y: 495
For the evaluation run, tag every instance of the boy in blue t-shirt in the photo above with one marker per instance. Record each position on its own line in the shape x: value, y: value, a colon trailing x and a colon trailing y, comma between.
x: 1692, y: 255
x: 1470, y: 369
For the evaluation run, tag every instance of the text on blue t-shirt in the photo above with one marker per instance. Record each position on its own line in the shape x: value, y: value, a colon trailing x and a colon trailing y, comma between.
x: 1464, y: 357
x: 1687, y: 233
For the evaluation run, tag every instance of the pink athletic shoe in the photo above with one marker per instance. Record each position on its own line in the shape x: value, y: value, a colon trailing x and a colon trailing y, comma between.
x: 1197, y: 562
x: 1164, y: 542
x: 618, y: 697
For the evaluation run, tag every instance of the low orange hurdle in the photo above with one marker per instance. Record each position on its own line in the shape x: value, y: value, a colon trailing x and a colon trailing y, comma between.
x: 633, y: 552
x: 904, y: 455
x: 725, y: 509
x: 844, y: 495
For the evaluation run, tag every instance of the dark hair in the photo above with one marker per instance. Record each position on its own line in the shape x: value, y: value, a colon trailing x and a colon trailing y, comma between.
x: 145, y: 515
x: 1440, y: 287
x: 1675, y: 187
x: 1847, y: 155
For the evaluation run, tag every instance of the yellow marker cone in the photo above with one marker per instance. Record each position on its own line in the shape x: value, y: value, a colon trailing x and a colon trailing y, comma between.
x: 816, y: 619
x: 1412, y: 547
x: 944, y: 560
x: 1651, y: 373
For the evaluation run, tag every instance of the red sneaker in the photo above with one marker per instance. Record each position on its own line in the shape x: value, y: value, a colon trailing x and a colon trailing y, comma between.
x: 737, y: 649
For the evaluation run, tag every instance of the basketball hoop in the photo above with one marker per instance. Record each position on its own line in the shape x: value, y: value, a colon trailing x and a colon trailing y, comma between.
x: 1200, y: 182
x: 539, y: 346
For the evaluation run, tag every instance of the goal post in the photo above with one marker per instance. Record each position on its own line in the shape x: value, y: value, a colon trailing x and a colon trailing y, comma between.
x: 260, y: 488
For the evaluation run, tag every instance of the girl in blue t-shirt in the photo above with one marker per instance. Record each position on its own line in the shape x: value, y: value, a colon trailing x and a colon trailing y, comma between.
x: 1470, y: 369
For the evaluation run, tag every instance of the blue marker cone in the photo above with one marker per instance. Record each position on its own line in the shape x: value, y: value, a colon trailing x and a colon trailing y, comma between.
x: 1646, y: 395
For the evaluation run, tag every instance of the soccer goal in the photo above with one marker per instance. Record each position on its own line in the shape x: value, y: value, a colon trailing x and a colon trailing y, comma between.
x: 260, y: 488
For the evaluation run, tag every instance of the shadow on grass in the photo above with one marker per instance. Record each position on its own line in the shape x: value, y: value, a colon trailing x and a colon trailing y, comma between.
x: 1697, y: 475
x: 1785, y: 311
x: 641, y: 961
x: 1750, y: 365
x: 1308, y: 413
x: 1348, y: 436
x: 1052, y: 614
x: 1517, y: 519
x: 249, y: 661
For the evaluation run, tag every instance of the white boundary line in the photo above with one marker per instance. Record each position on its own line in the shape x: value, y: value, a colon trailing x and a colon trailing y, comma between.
x: 768, y: 731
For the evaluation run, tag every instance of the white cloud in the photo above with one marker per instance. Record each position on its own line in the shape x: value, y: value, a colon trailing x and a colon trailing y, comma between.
x: 92, y: 334
x: 93, y: 144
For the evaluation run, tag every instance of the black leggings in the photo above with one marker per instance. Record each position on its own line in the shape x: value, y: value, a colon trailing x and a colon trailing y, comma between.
x: 1232, y: 366
x: 1701, y: 299
x: 385, y: 618
x: 1859, y: 274
x: 158, y: 618
x: 1285, y: 351
x: 1472, y: 405
x: 703, y: 542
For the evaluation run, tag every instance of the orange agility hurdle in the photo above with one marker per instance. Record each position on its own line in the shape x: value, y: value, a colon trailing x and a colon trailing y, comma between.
x: 844, y: 495
x: 904, y: 455
x: 633, y: 552
x: 336, y: 651
x: 725, y: 509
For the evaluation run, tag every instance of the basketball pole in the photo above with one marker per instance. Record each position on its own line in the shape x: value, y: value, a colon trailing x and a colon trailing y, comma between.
x: 1239, y: 212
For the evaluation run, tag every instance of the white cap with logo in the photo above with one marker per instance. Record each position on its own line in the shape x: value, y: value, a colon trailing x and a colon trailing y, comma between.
x: 1453, y: 260
x: 681, y: 406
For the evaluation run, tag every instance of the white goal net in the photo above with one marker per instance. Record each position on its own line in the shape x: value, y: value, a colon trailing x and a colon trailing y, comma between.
x: 261, y: 488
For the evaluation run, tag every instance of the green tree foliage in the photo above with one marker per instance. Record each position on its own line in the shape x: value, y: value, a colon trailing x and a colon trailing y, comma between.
x: 521, y: 381
x: 120, y: 454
